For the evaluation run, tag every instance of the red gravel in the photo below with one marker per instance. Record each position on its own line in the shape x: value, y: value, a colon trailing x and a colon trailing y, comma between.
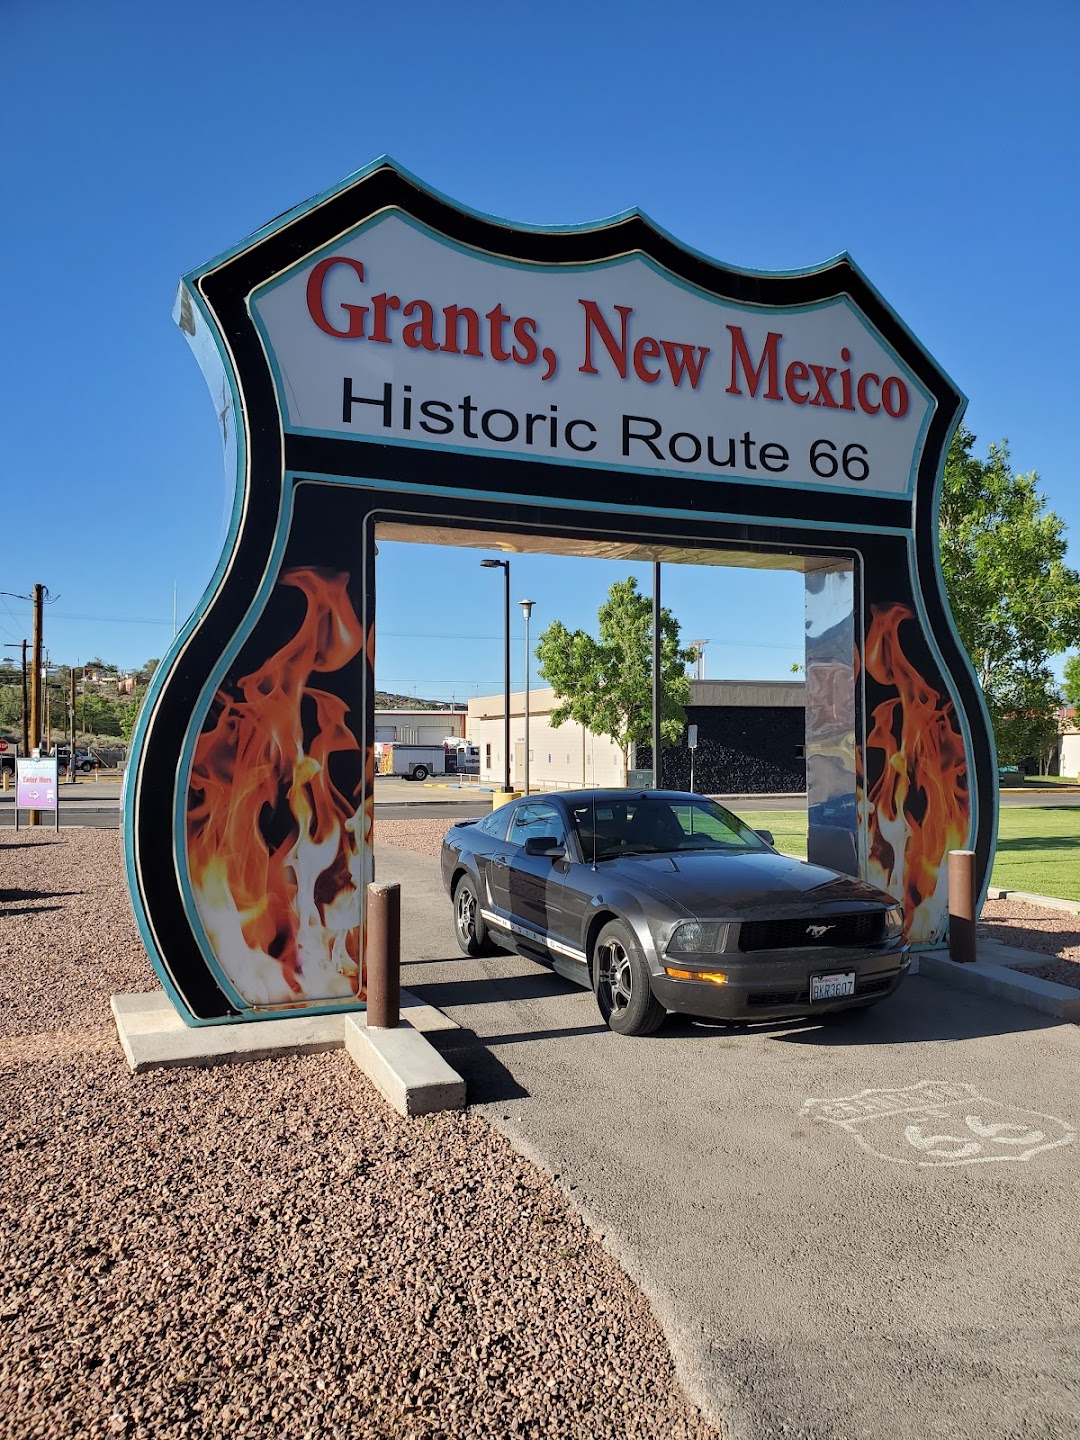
x: 267, y: 1250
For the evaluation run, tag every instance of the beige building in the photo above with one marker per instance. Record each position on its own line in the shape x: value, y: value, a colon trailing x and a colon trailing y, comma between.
x: 418, y: 727
x: 1069, y: 742
x: 569, y: 757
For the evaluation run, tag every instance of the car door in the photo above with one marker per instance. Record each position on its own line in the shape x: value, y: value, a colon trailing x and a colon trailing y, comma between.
x: 528, y: 889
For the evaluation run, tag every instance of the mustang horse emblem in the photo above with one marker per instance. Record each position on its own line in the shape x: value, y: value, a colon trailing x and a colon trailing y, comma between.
x: 816, y: 931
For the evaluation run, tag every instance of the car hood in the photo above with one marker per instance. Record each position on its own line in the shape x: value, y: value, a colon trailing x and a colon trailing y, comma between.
x: 723, y: 886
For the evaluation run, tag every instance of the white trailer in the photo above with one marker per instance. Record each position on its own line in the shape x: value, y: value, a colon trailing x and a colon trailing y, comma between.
x: 412, y: 762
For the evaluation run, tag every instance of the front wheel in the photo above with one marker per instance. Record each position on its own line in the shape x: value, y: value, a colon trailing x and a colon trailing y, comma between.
x: 621, y: 983
x: 470, y: 928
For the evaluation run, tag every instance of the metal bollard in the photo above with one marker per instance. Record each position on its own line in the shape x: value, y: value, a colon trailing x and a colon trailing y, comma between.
x: 962, y: 906
x: 383, y: 957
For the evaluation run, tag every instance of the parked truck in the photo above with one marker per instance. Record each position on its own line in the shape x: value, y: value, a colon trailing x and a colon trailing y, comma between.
x: 411, y: 762
x: 454, y: 756
x: 9, y: 749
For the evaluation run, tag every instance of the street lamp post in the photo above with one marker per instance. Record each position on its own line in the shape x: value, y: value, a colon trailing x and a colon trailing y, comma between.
x: 526, y: 610
x: 504, y: 566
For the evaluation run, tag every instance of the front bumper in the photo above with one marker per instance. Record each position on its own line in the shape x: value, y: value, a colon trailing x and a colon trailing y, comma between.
x: 776, y: 985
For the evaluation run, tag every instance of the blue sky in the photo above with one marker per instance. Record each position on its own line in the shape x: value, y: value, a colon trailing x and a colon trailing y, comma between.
x: 936, y: 143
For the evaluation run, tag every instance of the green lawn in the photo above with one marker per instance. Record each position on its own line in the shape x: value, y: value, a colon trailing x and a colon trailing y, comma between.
x: 1038, y: 846
x: 1039, y: 850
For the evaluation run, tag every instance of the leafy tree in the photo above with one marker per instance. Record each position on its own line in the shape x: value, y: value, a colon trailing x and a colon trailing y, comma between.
x: 1070, y: 684
x: 130, y: 714
x: 1015, y: 600
x: 606, y: 684
x: 11, y: 707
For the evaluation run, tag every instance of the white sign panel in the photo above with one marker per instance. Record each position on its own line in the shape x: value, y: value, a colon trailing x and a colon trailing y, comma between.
x: 398, y: 336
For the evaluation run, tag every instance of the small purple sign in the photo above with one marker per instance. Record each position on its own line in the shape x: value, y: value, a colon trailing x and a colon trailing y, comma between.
x: 35, y: 784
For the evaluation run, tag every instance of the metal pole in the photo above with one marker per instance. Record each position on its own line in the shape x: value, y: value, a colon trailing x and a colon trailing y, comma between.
x: 506, y: 677
x: 528, y: 667
x: 962, y: 906
x: 72, y: 767
x: 34, y: 742
x: 25, y: 707
x: 383, y: 958
x: 656, y: 675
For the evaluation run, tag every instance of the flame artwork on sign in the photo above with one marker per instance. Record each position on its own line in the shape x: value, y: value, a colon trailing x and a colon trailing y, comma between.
x: 918, y: 807
x: 275, y: 849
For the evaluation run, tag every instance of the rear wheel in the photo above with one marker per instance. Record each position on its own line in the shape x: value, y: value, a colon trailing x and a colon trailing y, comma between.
x: 470, y: 928
x: 621, y: 983
x: 420, y: 772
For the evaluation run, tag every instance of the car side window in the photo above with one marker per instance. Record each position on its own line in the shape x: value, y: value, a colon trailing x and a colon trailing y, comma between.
x: 493, y: 824
x: 536, y: 819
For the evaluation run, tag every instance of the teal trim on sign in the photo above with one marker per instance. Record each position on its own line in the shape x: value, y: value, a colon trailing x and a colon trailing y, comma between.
x: 158, y: 679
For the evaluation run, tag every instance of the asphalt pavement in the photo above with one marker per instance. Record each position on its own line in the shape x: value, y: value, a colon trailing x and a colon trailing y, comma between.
x: 828, y: 1264
x: 96, y: 802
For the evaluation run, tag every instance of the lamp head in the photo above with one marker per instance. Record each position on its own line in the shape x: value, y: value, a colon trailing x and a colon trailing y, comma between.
x: 526, y: 607
x: 495, y: 564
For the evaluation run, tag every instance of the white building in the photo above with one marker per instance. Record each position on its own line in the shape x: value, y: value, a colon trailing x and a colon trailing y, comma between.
x: 567, y: 758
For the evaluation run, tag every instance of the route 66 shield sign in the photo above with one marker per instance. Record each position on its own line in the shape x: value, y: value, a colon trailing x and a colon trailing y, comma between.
x: 938, y: 1122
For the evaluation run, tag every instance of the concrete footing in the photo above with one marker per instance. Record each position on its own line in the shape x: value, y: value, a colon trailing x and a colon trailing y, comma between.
x: 991, y: 975
x: 404, y: 1068
x: 407, y: 1070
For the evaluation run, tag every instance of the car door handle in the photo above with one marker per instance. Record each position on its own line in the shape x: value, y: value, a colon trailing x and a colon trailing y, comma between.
x: 498, y: 860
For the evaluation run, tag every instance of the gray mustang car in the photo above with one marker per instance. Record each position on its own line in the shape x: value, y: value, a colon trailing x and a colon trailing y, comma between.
x: 658, y: 901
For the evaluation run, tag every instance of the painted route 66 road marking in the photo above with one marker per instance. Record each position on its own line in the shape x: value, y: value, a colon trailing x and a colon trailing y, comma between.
x: 941, y: 1122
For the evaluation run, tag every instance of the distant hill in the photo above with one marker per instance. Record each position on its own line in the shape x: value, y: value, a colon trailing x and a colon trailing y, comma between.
x: 386, y: 701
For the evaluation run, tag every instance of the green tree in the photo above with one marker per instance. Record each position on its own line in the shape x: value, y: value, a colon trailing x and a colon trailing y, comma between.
x: 606, y: 684
x: 1070, y: 684
x: 1015, y: 600
x: 130, y: 714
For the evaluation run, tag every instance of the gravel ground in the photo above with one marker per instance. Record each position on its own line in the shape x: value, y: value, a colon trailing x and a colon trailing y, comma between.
x: 1051, y: 933
x: 267, y: 1249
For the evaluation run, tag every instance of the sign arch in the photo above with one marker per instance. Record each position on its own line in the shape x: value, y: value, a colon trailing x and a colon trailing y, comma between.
x: 381, y: 351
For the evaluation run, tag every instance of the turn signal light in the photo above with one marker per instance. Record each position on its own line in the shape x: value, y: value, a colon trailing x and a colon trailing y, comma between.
x: 714, y: 977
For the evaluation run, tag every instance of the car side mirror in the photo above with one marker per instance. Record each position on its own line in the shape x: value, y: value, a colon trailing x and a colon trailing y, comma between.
x: 545, y: 845
x: 767, y: 836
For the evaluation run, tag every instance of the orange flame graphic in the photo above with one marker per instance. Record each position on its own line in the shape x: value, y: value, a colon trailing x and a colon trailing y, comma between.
x: 918, y: 809
x: 275, y: 850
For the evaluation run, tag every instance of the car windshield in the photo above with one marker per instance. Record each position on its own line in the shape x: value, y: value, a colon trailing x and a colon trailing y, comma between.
x: 650, y: 825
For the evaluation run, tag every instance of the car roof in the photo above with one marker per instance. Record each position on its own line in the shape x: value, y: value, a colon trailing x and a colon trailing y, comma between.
x: 587, y: 797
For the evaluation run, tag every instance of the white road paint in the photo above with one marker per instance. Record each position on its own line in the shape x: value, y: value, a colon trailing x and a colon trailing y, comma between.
x: 941, y: 1122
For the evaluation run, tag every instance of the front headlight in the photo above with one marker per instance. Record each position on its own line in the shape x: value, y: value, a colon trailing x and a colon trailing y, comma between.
x: 894, y: 922
x: 697, y: 937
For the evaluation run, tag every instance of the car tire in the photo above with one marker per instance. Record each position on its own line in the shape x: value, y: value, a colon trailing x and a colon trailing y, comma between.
x: 621, y: 983
x: 470, y: 928
x: 420, y: 772
x: 86, y: 767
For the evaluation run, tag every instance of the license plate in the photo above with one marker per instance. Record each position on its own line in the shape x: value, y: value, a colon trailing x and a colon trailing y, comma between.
x: 831, y: 987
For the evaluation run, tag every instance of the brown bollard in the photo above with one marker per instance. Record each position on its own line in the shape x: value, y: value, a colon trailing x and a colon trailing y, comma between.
x: 383, y: 958
x: 962, y: 906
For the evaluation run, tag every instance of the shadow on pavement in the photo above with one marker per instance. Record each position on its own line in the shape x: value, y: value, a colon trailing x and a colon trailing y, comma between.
x: 485, y: 1077
x: 922, y: 1010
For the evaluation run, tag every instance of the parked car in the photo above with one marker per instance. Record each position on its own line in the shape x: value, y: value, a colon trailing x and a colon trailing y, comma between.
x: 664, y: 901
x: 83, y: 760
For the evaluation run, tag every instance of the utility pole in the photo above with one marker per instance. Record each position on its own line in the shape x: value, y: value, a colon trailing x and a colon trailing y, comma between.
x: 34, y: 739
x: 74, y: 769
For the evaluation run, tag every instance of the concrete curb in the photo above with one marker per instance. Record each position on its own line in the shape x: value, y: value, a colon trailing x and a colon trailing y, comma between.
x: 153, y: 1035
x: 990, y: 976
x: 404, y: 1067
x: 1049, y: 902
